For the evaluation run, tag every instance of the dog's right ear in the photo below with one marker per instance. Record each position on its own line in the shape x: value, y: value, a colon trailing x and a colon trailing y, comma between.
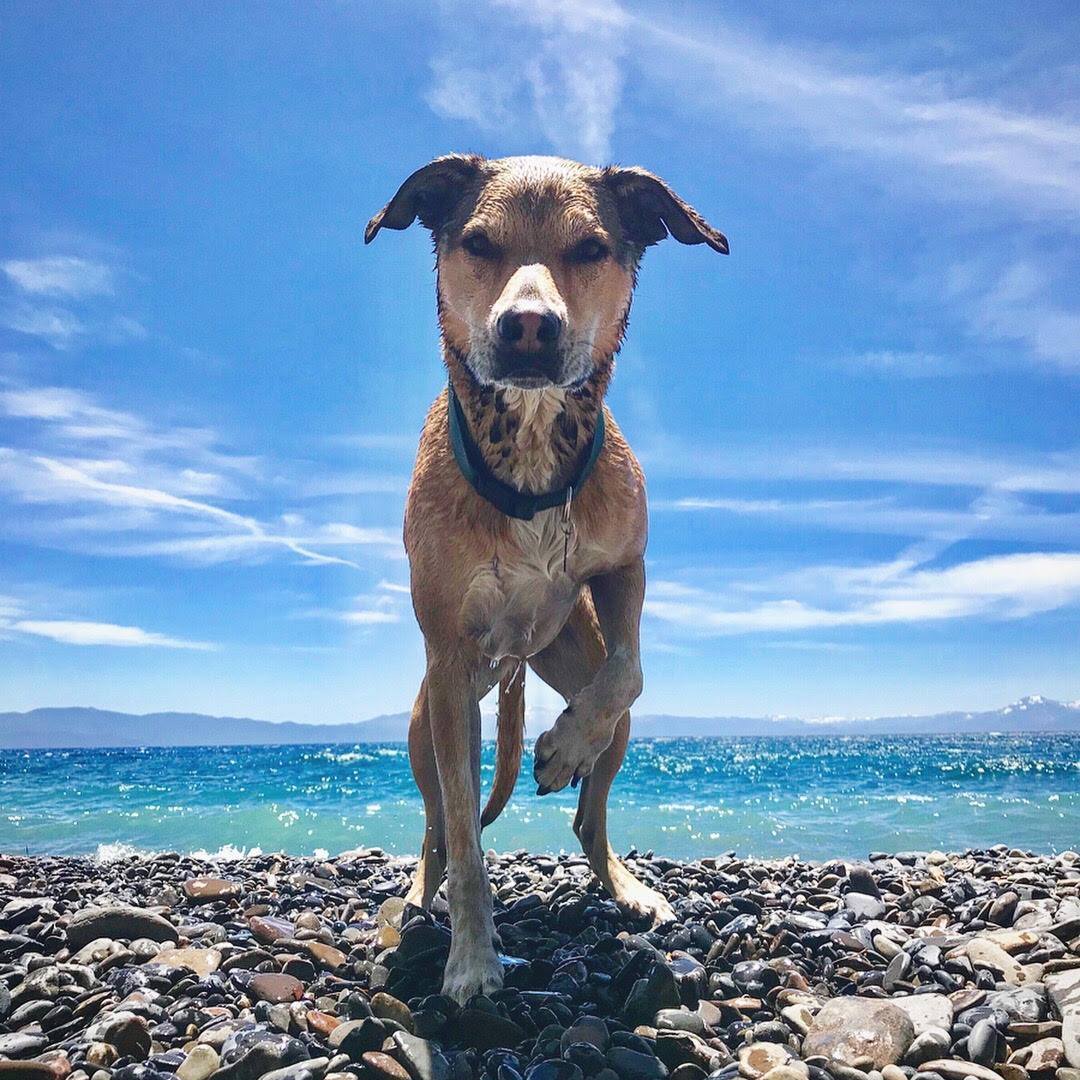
x: 430, y: 194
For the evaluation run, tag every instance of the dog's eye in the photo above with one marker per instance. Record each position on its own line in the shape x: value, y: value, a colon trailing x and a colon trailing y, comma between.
x: 479, y: 246
x: 588, y: 251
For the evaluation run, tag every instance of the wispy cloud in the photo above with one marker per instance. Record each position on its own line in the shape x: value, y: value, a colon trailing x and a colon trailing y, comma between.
x: 908, y: 364
x: 576, y: 56
x: 369, y: 617
x: 329, y: 483
x: 999, y: 515
x: 66, y: 301
x: 48, y: 480
x: 70, y: 632
x: 558, y: 68
x: 158, y: 483
x: 60, y: 275
x: 16, y: 620
x: 558, y: 62
x: 1016, y: 469
x: 1011, y: 304
x: 999, y: 587
x: 379, y: 608
x: 60, y: 328
x: 889, y: 117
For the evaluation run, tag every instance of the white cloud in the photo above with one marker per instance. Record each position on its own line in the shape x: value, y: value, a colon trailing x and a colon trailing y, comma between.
x: 917, y: 120
x: 381, y: 608
x: 60, y: 328
x: 57, y: 403
x: 567, y: 62
x: 558, y: 60
x: 1011, y: 304
x: 908, y: 364
x: 160, y: 482
x: 511, y: 66
x: 370, y: 617
x: 997, y: 587
x: 72, y: 632
x: 49, y: 480
x: 60, y: 275
x: 85, y: 288
x: 991, y: 515
x: 1009, y: 469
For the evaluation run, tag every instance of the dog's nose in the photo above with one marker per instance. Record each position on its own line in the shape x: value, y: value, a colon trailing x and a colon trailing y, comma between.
x: 529, y: 331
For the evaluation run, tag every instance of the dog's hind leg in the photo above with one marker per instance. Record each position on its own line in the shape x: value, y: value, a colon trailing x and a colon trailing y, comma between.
x: 590, y: 826
x: 567, y: 665
x: 432, y: 864
x: 454, y: 712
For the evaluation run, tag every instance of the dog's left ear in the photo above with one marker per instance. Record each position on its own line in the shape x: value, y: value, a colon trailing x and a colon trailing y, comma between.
x: 649, y: 210
x: 430, y: 194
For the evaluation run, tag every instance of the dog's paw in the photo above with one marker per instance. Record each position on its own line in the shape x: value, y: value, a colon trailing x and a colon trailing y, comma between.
x: 565, y: 753
x: 636, y: 899
x: 471, y: 971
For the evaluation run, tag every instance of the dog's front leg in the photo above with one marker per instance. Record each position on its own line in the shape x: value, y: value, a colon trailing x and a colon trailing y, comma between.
x: 585, y: 728
x: 454, y: 712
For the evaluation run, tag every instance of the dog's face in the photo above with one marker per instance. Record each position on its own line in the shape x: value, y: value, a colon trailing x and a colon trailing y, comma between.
x: 537, y: 258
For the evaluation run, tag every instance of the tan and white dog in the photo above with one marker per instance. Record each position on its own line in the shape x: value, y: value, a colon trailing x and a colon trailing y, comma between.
x: 526, y: 517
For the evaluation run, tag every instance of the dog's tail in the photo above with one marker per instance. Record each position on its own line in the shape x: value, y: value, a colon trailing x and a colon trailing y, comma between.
x: 509, y: 742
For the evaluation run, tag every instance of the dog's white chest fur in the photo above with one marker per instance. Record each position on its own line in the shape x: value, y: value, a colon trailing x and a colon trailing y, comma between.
x: 517, y: 604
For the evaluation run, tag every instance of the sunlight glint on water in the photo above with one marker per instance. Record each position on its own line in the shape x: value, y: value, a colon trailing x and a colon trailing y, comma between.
x: 820, y: 798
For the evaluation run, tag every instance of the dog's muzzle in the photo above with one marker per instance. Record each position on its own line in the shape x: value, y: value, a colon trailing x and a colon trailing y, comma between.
x: 527, y: 350
x: 542, y: 367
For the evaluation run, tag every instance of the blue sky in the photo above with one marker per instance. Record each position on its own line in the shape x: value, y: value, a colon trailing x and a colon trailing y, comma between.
x: 860, y: 430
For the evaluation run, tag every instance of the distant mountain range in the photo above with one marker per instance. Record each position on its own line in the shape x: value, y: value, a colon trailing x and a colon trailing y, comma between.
x: 83, y: 727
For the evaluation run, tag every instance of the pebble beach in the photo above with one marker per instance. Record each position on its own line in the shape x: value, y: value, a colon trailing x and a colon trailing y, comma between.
x: 911, y: 966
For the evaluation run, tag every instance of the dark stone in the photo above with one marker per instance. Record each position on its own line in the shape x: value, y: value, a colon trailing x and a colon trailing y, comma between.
x: 633, y: 1065
x: 26, y: 1070
x: 312, y: 1069
x: 275, y: 988
x: 860, y: 880
x: 590, y: 1029
x: 119, y: 922
x: 484, y: 1031
x: 384, y: 1065
x: 422, y: 1060
x: 250, y: 1052
x: 554, y: 1069
x: 649, y: 995
x: 357, y: 1037
x: 982, y: 1043
x: 587, y: 1057
x: 679, y: 1020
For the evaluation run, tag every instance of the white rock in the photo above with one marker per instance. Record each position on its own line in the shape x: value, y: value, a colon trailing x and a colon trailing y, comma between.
x: 926, y: 1010
x: 1064, y: 990
x: 199, y: 1064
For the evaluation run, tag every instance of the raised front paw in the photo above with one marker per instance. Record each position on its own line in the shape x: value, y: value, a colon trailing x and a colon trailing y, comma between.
x: 471, y: 970
x: 566, y: 752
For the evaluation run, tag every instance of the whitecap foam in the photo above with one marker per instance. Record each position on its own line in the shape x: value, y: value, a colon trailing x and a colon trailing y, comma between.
x: 226, y: 853
x: 118, y: 851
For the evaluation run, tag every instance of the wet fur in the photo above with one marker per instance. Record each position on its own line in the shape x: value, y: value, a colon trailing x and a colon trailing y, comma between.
x: 491, y: 592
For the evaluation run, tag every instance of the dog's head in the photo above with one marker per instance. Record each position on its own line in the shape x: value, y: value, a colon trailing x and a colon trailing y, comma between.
x: 537, y: 258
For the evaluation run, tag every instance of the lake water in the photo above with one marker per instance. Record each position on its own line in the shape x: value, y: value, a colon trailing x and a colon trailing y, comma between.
x: 820, y: 798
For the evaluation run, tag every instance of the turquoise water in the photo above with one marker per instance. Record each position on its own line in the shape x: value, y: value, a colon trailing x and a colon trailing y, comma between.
x: 820, y: 798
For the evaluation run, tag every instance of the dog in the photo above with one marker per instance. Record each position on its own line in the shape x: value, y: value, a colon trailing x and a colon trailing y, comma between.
x: 526, y: 519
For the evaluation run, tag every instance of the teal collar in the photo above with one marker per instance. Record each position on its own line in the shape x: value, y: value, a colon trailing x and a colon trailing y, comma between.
x: 508, y: 500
